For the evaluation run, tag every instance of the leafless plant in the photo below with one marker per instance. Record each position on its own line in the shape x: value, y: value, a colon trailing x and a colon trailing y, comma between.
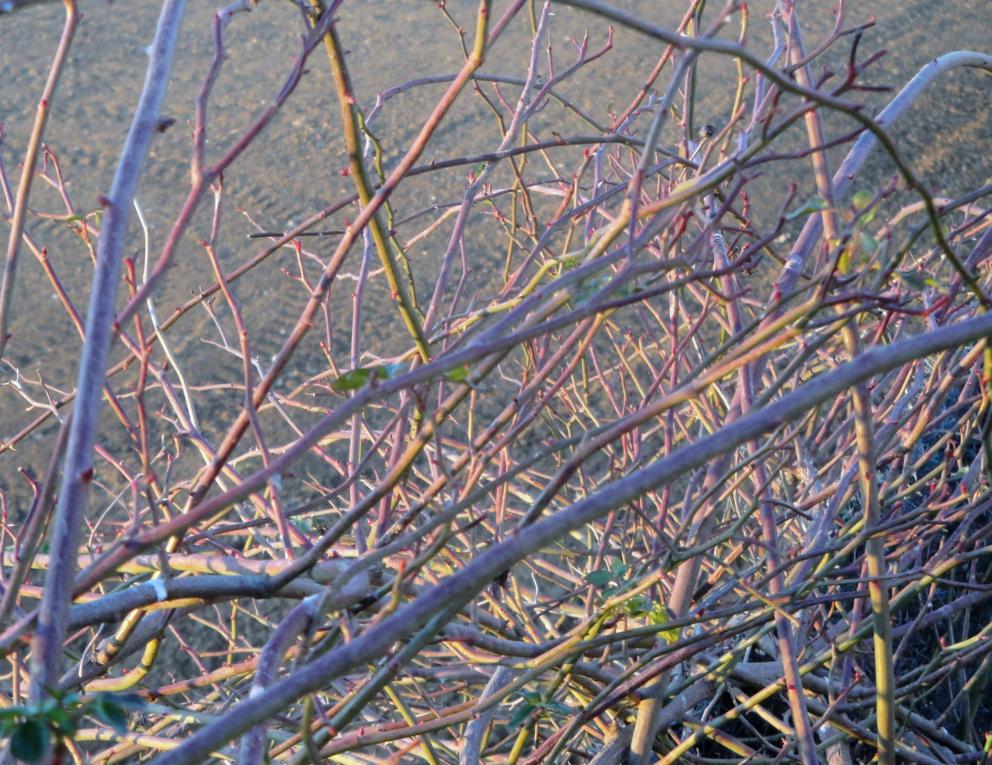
x: 646, y: 472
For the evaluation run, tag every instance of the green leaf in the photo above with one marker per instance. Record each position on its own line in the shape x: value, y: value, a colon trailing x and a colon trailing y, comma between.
x: 70, y: 700
x: 639, y: 606
x: 458, y: 374
x: 860, y: 201
x: 847, y: 256
x: 816, y: 204
x: 559, y: 708
x: 352, y: 380
x: 659, y: 616
x: 522, y: 713
x: 389, y: 371
x: 868, y: 243
x: 589, y: 288
x: 62, y: 719
x: 30, y: 740
x: 303, y: 524
x: 600, y: 577
x: 109, y: 712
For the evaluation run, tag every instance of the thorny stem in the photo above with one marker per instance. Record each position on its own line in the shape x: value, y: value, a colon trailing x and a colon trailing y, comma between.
x: 402, y: 287
x: 864, y: 430
x: 47, y: 652
x: 28, y: 169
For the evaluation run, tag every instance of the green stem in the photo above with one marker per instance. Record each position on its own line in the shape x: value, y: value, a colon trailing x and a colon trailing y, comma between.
x: 402, y: 290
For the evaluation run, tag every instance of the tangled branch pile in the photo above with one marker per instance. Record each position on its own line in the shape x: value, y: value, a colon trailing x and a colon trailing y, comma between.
x: 631, y: 464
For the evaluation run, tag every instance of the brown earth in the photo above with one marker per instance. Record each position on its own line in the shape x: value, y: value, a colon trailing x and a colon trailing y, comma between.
x: 294, y: 169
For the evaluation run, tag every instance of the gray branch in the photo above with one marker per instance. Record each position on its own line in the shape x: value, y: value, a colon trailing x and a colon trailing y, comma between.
x: 46, y: 655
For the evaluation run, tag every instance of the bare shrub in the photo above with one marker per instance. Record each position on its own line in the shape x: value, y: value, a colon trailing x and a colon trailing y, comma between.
x: 596, y: 454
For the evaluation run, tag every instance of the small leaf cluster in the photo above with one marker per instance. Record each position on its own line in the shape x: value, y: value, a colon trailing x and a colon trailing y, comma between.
x: 362, y: 376
x: 534, y: 702
x: 653, y: 613
x: 609, y: 580
x: 861, y: 240
x: 612, y: 581
x: 812, y: 205
x: 32, y: 728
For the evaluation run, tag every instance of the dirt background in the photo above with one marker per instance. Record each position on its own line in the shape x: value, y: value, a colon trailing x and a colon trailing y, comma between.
x: 294, y: 169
